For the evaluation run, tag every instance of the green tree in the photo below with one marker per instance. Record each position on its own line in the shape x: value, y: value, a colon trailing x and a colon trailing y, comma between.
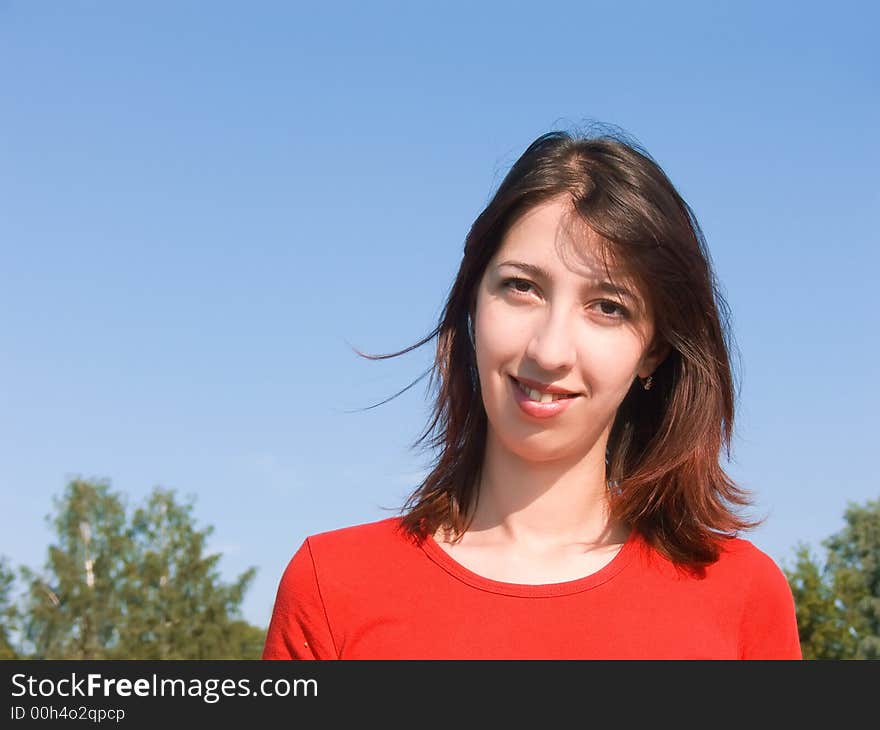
x: 245, y: 641
x: 838, y: 603
x: 178, y: 607
x: 143, y: 588
x: 854, y: 561
x: 822, y: 626
x: 76, y: 610
x: 8, y: 612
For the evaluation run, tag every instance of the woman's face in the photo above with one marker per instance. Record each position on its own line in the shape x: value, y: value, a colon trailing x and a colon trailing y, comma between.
x: 564, y: 326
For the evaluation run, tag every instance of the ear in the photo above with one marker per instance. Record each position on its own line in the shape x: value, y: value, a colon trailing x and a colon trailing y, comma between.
x: 652, y: 358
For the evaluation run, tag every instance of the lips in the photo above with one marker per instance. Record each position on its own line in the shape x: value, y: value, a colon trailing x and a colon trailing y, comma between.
x: 537, y: 409
x: 536, y: 389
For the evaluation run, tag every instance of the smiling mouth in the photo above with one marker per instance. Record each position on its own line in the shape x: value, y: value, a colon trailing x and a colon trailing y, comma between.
x: 539, y: 397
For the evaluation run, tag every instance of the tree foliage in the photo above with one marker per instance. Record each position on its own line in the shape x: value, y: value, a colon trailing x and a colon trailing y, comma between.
x: 75, y: 611
x: 138, y: 588
x: 178, y: 607
x: 838, y: 602
x: 8, y: 611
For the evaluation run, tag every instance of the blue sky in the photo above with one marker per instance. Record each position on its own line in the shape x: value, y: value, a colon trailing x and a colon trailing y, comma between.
x: 202, y: 206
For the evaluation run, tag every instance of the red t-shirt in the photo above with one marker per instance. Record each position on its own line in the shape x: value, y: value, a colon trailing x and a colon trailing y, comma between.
x: 372, y: 592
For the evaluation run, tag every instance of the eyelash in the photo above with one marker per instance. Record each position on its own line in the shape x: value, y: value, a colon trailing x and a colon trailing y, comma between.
x: 624, y: 313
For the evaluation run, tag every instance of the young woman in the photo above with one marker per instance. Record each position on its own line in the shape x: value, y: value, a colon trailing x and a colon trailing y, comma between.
x: 577, y: 508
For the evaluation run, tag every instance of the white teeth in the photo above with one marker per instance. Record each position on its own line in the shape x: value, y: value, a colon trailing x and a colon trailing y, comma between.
x: 537, y: 395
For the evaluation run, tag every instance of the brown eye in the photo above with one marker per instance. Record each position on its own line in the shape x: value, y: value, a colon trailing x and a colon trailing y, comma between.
x: 612, y: 309
x: 520, y: 286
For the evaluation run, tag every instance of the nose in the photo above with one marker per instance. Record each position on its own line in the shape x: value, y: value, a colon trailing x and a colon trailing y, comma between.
x: 551, y: 346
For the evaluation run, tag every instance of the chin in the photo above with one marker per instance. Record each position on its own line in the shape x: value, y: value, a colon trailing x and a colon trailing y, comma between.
x: 533, y: 445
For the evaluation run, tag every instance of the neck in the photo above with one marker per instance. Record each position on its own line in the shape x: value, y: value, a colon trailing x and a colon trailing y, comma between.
x: 545, y: 504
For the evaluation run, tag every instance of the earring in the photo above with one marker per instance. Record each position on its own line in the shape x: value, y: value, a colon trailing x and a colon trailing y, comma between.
x: 648, y: 382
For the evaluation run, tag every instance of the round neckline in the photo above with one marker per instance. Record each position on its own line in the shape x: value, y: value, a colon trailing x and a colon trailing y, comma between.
x: 534, y: 590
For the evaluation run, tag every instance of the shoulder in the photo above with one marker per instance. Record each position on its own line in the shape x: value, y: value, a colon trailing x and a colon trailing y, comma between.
x: 749, y: 571
x: 742, y: 575
x: 329, y: 572
x: 739, y: 561
x: 359, y: 549
x: 768, y: 619
x: 742, y: 560
x: 346, y: 555
x: 379, y: 535
x: 349, y: 567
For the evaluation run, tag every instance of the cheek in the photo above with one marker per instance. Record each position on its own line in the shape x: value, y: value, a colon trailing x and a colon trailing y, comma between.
x: 612, y: 363
x: 493, y: 352
x: 497, y: 354
x: 497, y: 337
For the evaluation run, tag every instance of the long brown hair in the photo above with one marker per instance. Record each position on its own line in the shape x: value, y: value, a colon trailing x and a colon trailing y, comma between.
x: 663, y: 450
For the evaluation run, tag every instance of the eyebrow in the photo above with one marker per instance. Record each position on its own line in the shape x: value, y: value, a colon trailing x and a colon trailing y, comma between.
x: 539, y: 272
